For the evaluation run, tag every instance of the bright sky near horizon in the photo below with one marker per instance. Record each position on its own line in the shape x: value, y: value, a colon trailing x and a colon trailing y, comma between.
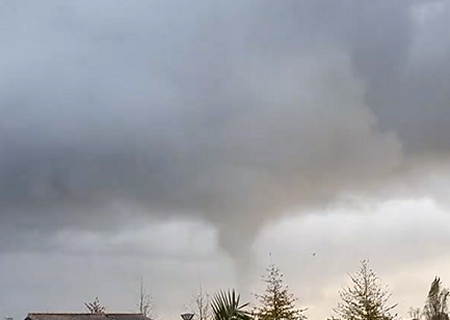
x: 182, y: 141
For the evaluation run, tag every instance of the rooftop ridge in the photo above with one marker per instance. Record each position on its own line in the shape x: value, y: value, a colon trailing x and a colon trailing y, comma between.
x: 83, y: 314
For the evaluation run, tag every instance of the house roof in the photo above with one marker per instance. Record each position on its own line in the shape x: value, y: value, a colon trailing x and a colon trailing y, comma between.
x: 86, y: 316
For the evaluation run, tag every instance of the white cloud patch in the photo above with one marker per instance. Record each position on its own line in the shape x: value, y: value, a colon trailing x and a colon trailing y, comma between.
x: 405, y: 241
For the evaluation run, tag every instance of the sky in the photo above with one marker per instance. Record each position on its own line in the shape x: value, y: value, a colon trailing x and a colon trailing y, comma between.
x: 184, y: 141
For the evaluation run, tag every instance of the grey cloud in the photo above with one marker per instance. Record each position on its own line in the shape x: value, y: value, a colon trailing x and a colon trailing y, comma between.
x: 405, y: 96
x: 233, y: 113
x: 340, y: 238
x: 114, y: 278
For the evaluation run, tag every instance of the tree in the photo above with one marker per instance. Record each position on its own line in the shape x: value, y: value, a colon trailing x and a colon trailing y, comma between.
x: 201, y: 306
x: 226, y: 305
x: 436, y: 307
x: 145, y: 304
x: 95, y: 306
x: 366, y: 299
x: 414, y: 313
x: 277, y: 303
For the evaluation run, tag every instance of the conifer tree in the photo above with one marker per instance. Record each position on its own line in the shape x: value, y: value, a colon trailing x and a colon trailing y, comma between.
x: 436, y: 307
x: 366, y: 299
x: 277, y: 303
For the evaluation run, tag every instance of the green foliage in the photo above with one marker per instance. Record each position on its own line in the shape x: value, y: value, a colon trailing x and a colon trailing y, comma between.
x: 226, y: 305
x: 277, y: 303
x: 365, y: 299
x: 436, y: 307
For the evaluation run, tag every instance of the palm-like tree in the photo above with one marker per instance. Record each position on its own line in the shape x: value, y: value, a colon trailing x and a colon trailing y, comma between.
x: 226, y: 306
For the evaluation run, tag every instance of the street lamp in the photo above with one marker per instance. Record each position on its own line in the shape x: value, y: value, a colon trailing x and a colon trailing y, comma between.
x: 187, y: 316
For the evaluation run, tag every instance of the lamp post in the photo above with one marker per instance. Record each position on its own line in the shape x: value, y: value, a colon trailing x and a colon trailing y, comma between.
x: 187, y: 316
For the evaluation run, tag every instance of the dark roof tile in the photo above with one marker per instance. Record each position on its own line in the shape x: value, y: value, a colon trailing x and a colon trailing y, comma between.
x: 86, y: 316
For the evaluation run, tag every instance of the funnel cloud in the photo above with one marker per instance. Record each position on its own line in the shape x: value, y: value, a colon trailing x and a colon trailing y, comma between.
x: 231, y: 113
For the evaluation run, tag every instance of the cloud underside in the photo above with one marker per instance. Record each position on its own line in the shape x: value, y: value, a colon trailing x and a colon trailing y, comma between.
x: 232, y: 114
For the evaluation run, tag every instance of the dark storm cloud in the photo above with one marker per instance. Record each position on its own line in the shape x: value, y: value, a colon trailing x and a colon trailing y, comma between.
x: 233, y: 112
